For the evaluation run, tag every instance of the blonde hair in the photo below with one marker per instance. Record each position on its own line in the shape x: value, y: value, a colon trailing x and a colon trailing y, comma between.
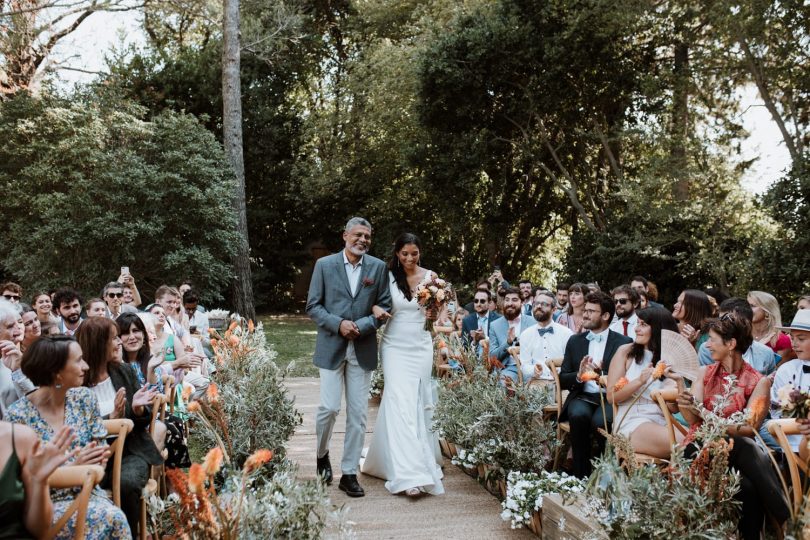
x: 770, y: 306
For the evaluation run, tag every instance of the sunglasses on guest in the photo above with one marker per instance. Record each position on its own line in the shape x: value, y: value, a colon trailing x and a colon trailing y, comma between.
x: 115, y: 295
x: 480, y: 301
x: 11, y: 296
x: 622, y: 301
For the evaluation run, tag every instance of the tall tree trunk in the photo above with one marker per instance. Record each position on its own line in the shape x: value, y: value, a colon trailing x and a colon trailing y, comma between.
x: 232, y: 138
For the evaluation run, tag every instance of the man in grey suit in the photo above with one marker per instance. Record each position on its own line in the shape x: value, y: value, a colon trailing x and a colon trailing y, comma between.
x: 344, y: 288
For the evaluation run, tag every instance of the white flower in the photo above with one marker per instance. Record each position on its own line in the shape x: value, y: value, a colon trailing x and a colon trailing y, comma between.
x: 783, y: 394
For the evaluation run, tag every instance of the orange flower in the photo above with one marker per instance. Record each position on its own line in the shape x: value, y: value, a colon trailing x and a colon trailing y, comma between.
x: 214, y: 343
x: 441, y: 344
x: 757, y: 410
x: 193, y: 407
x: 660, y: 368
x: 589, y: 376
x: 233, y: 340
x: 212, y: 393
x: 251, y: 326
x: 257, y: 459
x: 212, y: 332
x: 621, y: 383
x: 233, y: 326
x: 213, y: 461
x: 196, y: 478
x: 186, y: 392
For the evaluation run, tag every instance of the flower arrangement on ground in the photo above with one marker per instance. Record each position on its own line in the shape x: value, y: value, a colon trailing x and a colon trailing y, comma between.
x: 525, y: 492
x: 375, y: 388
x: 432, y: 294
x: 250, y: 399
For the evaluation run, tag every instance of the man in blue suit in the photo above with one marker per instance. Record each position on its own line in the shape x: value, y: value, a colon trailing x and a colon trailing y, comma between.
x: 477, y: 326
x: 504, y: 332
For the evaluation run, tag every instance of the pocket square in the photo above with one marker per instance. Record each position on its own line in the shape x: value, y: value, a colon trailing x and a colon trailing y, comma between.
x: 368, y: 282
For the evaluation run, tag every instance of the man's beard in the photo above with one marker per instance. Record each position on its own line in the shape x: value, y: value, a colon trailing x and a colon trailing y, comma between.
x: 542, y: 316
x: 357, y: 250
x: 511, y: 313
x: 73, y: 318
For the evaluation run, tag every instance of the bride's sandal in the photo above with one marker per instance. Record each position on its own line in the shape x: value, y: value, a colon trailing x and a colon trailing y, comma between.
x: 413, y: 492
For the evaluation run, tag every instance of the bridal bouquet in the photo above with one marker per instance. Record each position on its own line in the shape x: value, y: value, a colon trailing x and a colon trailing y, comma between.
x: 432, y: 295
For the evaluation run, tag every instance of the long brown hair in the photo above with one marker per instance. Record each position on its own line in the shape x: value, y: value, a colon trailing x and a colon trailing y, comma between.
x: 94, y: 335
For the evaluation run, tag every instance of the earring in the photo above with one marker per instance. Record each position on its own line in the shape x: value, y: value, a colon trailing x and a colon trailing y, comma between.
x: 57, y: 386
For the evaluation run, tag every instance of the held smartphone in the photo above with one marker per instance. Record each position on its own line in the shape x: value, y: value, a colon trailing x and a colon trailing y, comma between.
x: 125, y: 270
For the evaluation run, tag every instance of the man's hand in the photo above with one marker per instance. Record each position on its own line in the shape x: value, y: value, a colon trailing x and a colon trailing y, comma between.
x: 11, y: 355
x: 477, y: 335
x: 349, y: 330
x: 538, y: 370
x: 587, y: 365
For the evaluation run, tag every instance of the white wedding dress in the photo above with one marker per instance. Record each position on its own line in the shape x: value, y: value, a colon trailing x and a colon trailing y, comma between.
x: 404, y: 451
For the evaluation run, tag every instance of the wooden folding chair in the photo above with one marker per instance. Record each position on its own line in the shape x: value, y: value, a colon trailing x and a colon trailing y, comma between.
x: 168, y: 395
x: 664, y: 398
x: 780, y: 429
x: 84, y: 476
x: 120, y: 428
x: 563, y: 428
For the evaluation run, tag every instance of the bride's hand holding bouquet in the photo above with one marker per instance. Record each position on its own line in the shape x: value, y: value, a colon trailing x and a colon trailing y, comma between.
x: 432, y: 296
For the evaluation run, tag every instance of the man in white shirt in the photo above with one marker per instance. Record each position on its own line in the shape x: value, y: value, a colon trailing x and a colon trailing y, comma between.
x: 626, y: 299
x: 542, y: 341
x: 69, y: 306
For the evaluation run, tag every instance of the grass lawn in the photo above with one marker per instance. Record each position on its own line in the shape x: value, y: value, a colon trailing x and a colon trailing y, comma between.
x: 293, y: 338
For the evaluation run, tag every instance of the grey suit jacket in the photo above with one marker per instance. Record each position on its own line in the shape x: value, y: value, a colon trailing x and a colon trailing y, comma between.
x: 330, y: 301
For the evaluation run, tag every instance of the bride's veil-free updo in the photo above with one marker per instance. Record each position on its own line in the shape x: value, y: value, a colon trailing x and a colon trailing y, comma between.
x: 396, y: 268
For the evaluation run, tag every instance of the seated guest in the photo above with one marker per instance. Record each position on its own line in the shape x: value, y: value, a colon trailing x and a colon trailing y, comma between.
x: 13, y: 383
x: 562, y: 300
x: 587, y: 353
x: 197, y: 320
x: 643, y: 301
x: 476, y: 326
x: 642, y: 285
x: 176, y: 321
x: 573, y: 317
x: 31, y: 327
x: 119, y: 396
x: 504, y: 332
x: 691, y: 310
x: 26, y: 510
x: 767, y: 319
x: 132, y: 298
x: 795, y: 372
x: 113, y: 295
x: 56, y: 366
x: 68, y: 305
x: 11, y: 292
x: 177, y: 360
x: 626, y: 299
x: 95, y: 307
x: 482, y: 285
x: 642, y: 421
x: 42, y: 304
x: 138, y: 354
x: 760, y: 490
x: 758, y: 355
x: 526, y: 296
x: 542, y: 341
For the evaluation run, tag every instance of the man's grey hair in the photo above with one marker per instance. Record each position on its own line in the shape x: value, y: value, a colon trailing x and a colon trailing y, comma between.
x: 110, y: 285
x: 355, y: 221
x: 8, y: 310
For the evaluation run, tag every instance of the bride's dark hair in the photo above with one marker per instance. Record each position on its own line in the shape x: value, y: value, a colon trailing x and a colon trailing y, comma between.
x: 396, y: 269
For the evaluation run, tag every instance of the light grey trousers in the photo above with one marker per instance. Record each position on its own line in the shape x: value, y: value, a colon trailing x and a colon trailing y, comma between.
x: 355, y: 380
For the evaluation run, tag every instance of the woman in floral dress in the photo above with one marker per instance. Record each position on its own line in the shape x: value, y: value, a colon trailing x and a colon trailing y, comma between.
x: 55, y: 364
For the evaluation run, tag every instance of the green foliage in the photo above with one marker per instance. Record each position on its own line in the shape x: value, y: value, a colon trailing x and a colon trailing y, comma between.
x: 784, y: 260
x: 90, y: 187
x: 257, y: 411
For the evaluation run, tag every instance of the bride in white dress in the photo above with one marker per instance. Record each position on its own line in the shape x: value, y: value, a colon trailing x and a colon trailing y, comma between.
x: 404, y: 451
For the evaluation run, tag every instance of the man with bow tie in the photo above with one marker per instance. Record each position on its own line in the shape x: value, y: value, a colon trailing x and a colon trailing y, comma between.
x: 542, y: 341
x: 587, y: 354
